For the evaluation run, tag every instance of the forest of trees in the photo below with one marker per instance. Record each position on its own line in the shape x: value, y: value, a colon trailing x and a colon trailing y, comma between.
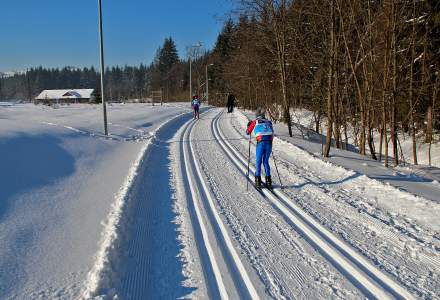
x: 361, y: 64
x: 369, y: 65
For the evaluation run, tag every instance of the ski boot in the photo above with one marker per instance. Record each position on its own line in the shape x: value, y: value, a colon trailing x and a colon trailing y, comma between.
x: 269, y: 182
x: 258, y: 182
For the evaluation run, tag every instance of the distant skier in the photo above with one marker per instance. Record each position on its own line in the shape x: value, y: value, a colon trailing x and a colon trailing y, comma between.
x: 195, y: 103
x: 263, y: 131
x: 231, y: 102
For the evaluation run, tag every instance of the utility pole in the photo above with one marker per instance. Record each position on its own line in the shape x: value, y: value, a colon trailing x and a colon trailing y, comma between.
x: 190, y: 67
x: 207, y: 83
x: 190, y: 78
x: 28, y: 86
x: 1, y: 86
x: 101, y: 54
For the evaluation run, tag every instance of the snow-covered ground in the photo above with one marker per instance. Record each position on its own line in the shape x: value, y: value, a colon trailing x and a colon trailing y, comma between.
x: 306, y: 120
x: 161, y: 209
x: 419, y: 180
x: 389, y: 225
x: 59, y: 178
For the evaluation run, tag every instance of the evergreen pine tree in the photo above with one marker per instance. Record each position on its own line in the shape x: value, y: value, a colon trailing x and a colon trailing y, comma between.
x: 168, y: 57
x: 224, y: 45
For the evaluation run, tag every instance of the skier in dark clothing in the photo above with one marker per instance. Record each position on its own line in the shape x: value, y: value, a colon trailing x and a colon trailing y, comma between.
x: 263, y: 131
x: 231, y: 102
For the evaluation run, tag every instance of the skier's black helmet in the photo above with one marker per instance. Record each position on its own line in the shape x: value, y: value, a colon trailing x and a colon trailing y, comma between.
x: 260, y: 113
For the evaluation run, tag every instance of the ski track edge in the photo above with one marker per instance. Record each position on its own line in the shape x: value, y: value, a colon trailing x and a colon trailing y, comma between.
x: 99, y: 280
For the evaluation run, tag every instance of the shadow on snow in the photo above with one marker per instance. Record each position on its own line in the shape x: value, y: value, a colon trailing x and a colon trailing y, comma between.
x: 29, y: 162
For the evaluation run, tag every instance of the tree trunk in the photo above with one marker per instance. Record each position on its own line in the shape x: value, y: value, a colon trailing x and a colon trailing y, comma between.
x: 343, y: 123
x: 381, y: 142
x: 317, y: 117
x: 279, y: 27
x: 330, y: 81
x: 358, y: 87
x: 411, y: 88
x: 428, y: 138
x: 431, y: 115
x: 335, y: 102
x: 384, y: 93
x: 393, y: 108
x: 370, y: 82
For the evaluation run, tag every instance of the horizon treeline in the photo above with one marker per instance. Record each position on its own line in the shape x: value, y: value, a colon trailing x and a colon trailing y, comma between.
x: 167, y: 73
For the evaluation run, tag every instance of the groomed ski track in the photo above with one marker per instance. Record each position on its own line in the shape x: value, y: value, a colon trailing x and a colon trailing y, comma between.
x: 405, y: 246
x: 239, y: 285
x: 194, y: 231
x: 370, y: 280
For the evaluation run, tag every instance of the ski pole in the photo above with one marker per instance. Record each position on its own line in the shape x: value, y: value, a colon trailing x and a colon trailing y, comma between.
x: 276, y: 167
x: 249, y: 161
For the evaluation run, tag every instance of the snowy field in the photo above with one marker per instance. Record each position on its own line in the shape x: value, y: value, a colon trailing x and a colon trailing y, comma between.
x: 59, y: 178
x: 161, y: 209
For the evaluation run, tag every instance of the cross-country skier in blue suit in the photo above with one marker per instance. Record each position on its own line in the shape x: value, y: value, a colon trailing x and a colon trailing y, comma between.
x: 263, y: 131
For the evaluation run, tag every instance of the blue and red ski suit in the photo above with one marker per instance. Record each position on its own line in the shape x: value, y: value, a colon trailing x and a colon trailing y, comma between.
x: 263, y: 131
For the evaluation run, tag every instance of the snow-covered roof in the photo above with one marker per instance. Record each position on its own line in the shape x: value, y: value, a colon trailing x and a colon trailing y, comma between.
x: 65, y: 94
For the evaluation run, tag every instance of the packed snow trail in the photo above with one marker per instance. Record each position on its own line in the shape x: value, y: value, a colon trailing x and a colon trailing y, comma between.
x: 280, y: 262
x: 342, y: 256
x: 233, y: 244
x: 247, y: 289
x: 237, y: 245
x: 216, y: 288
x: 396, y: 243
x: 147, y: 263
x: 146, y: 254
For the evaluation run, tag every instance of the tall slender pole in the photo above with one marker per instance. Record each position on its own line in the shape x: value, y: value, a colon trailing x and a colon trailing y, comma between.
x: 28, y: 86
x: 248, y: 164
x: 190, y: 67
x: 207, y: 86
x: 101, y: 54
x: 190, y: 79
x: 276, y: 168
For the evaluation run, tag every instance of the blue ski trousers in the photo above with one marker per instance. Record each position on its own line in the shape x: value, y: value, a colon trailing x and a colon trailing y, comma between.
x: 264, y: 149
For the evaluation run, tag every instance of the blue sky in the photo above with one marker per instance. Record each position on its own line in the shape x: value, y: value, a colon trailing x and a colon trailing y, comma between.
x: 55, y: 33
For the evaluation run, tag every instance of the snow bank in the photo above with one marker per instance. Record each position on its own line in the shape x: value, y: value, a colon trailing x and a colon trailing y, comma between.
x: 99, y: 280
x: 386, y: 197
x: 305, y: 118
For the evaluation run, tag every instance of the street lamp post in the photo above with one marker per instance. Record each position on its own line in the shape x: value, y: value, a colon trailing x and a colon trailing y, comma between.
x: 190, y: 68
x: 190, y: 78
x: 101, y: 54
x: 207, y: 83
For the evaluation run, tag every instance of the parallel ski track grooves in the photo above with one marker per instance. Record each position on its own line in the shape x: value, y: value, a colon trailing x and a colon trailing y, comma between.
x: 195, y: 202
x: 390, y: 232
x: 370, y: 280
x: 343, y: 193
x: 189, y: 156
